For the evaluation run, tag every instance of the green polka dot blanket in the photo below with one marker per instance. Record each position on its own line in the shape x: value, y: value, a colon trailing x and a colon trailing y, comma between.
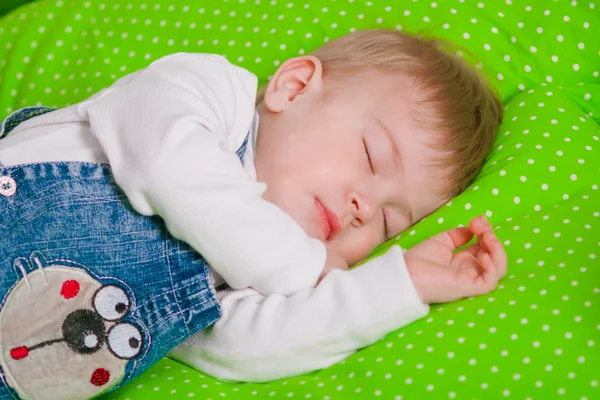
x: 538, y: 335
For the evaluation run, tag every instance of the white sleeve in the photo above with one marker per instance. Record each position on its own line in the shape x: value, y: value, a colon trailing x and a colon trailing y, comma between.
x: 262, y: 338
x: 170, y: 133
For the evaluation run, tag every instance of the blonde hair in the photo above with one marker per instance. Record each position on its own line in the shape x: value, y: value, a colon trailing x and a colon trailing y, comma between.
x: 464, y: 107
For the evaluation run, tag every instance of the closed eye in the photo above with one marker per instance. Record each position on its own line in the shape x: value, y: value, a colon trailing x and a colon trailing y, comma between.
x: 385, y: 225
x: 368, y: 157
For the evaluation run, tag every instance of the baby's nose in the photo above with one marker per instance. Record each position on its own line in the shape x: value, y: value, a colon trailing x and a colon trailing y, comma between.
x: 363, y: 209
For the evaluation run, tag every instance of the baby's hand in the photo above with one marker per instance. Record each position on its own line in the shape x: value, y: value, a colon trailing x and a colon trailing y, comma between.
x: 441, y: 276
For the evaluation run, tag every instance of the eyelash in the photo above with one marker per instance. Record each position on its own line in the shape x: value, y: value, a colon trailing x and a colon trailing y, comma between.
x: 385, y: 227
x: 368, y: 156
x: 373, y: 171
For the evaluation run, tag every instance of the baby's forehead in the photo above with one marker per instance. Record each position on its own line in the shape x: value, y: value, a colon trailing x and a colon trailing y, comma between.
x: 370, y: 81
x: 394, y: 98
x: 397, y: 95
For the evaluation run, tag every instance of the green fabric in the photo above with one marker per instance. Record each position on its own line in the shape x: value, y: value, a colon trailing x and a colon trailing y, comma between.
x: 9, y: 5
x: 538, y: 335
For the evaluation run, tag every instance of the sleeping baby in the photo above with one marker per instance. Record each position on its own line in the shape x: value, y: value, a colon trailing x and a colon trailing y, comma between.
x: 179, y: 212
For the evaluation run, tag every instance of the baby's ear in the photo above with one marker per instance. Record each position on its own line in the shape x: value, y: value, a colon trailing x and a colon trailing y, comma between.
x: 296, y: 76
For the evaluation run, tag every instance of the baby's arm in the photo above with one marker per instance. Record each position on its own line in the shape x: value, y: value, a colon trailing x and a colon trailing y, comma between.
x: 262, y: 338
x: 170, y: 133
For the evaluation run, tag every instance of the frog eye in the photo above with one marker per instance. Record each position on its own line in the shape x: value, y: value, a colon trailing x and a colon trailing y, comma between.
x: 125, y: 341
x: 111, y: 302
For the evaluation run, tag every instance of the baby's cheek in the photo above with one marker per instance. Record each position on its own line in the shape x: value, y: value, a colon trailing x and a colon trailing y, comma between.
x: 353, y: 251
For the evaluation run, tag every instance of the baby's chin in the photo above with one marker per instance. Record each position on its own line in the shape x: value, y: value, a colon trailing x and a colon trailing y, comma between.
x: 314, y: 231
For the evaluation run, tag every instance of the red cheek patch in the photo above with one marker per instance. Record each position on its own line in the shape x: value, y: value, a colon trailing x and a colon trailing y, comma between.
x: 69, y: 289
x: 100, y: 377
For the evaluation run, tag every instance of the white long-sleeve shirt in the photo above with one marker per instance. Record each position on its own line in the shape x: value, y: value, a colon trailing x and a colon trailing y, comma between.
x: 170, y: 133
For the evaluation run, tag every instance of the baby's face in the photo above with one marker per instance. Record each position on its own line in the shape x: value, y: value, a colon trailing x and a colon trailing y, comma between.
x: 330, y: 162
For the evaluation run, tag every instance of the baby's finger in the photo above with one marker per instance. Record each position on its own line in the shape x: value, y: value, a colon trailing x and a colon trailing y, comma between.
x: 495, y: 249
x: 474, y: 249
x: 460, y: 236
x: 493, y: 275
x: 489, y: 266
x: 488, y: 241
x: 483, y: 222
x: 488, y: 278
x: 479, y: 225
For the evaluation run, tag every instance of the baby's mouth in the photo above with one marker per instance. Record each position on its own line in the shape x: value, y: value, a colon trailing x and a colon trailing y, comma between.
x: 330, y: 222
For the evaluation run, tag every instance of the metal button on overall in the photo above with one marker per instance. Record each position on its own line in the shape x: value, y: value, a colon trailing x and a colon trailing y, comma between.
x: 8, y: 186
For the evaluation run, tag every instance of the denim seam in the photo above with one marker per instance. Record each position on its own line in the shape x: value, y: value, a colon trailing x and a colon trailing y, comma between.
x: 99, y: 200
x: 81, y: 247
x: 23, y: 166
x: 168, y: 316
x: 213, y: 291
x: 50, y: 195
x: 180, y: 338
x: 168, y: 259
x: 46, y: 190
x: 6, y: 296
x: 99, y: 236
x: 41, y: 212
x: 92, y: 273
x: 36, y: 214
x: 170, y: 291
x: 148, y: 345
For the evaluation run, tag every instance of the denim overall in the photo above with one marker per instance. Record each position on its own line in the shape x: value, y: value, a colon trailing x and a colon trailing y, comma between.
x: 91, y: 292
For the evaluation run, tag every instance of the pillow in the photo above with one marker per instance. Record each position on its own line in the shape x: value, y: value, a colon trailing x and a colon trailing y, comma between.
x: 60, y: 52
x: 9, y: 5
x: 537, y: 335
